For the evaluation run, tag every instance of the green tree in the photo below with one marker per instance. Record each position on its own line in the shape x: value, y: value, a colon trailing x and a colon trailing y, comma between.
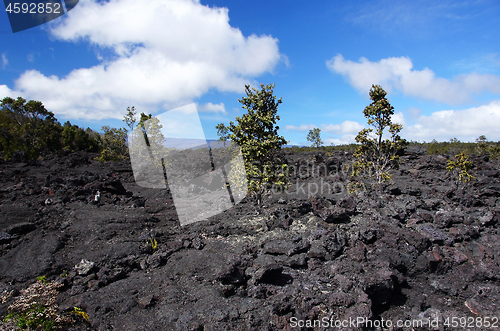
x: 256, y: 133
x: 129, y: 118
x: 314, y: 137
x: 75, y: 138
x: 28, y: 126
x: 68, y: 136
x: 376, y: 155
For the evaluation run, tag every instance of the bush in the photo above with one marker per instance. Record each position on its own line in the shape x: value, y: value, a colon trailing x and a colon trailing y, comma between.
x: 114, y: 144
x: 256, y: 133
x: 485, y: 147
x: 461, y: 165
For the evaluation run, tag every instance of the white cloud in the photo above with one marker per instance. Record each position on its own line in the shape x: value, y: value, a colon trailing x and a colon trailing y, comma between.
x: 302, y: 127
x: 466, y: 124
x: 7, y: 92
x: 398, y: 118
x: 397, y: 73
x: 343, y: 140
x: 345, y: 127
x: 213, y: 108
x: 5, y: 61
x: 165, y: 52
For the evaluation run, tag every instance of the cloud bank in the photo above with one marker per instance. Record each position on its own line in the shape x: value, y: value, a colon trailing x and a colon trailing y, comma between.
x: 466, y: 125
x: 164, y: 53
x: 397, y: 73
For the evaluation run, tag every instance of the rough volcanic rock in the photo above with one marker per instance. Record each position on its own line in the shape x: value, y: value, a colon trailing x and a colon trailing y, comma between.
x: 419, y: 247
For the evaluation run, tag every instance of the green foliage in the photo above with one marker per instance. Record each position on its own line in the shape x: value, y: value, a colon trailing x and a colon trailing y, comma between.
x: 461, y: 166
x: 42, y: 279
x: 339, y: 148
x: 77, y: 139
x: 114, y: 146
x: 314, y: 137
x: 79, y: 312
x: 129, y: 118
x: 375, y: 155
x: 481, y: 147
x: 256, y: 133
x: 35, y: 308
x: 27, y: 126
x: 154, y: 244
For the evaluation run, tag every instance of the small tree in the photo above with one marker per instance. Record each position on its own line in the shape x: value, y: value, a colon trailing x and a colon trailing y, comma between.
x: 314, y: 137
x: 376, y: 155
x: 129, y: 118
x: 256, y: 133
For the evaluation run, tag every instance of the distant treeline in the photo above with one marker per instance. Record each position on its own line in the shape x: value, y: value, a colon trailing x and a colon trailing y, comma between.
x: 481, y: 147
x: 27, y: 126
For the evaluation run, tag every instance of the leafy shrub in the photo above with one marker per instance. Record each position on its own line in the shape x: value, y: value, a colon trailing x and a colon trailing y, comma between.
x: 114, y: 144
x: 79, y: 312
x: 461, y: 166
x: 256, y: 133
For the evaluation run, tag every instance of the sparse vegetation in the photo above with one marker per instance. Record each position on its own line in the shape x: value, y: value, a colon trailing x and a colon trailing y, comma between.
x: 461, y: 166
x: 27, y: 126
x: 154, y: 244
x: 35, y: 308
x: 485, y: 147
x: 42, y: 279
x: 129, y: 118
x: 79, y: 312
x: 376, y: 156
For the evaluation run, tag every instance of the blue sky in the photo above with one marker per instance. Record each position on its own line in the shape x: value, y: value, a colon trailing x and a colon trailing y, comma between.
x: 439, y: 61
